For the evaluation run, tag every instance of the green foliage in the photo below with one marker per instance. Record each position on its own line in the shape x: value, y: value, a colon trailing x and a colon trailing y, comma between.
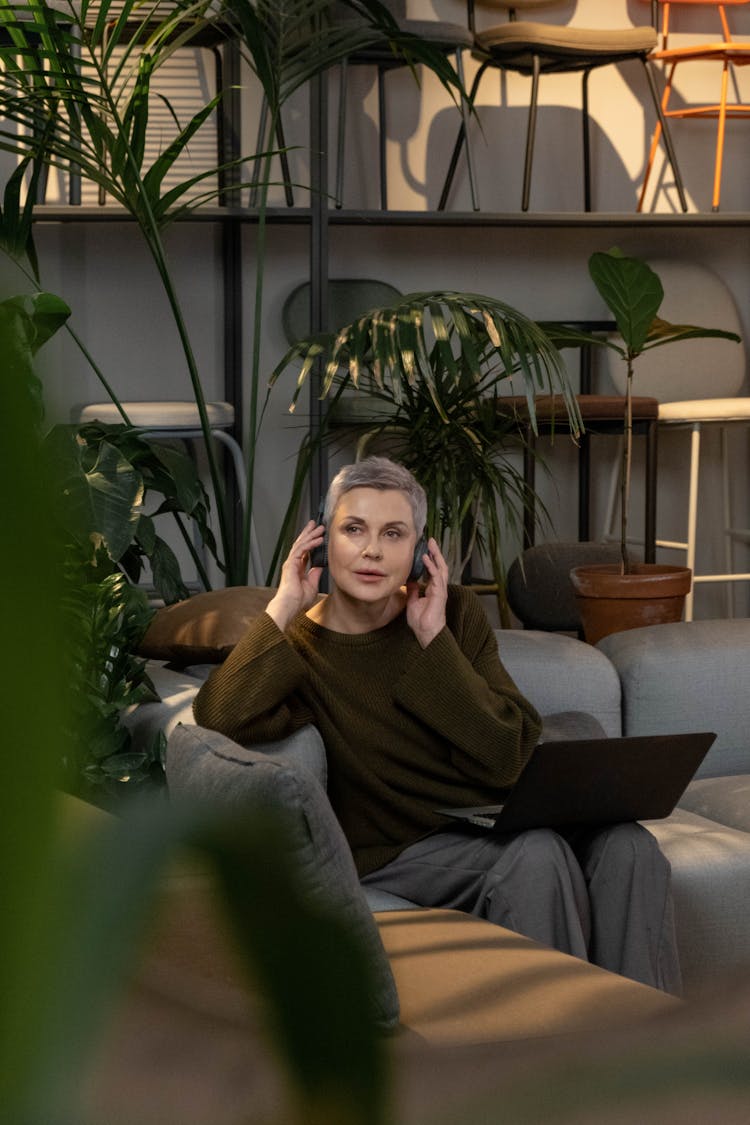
x: 98, y: 477
x: 433, y: 367
x: 16, y: 237
x: 103, y: 475
x: 634, y: 293
x: 104, y: 623
x: 76, y: 906
x: 26, y: 323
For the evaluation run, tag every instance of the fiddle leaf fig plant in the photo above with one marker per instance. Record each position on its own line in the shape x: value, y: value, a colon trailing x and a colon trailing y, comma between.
x: 633, y: 293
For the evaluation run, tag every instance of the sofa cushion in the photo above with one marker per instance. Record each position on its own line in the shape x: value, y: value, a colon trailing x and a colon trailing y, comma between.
x: 565, y: 725
x: 711, y: 890
x: 689, y: 675
x: 726, y: 799
x: 559, y: 673
x: 204, y: 628
x: 203, y: 765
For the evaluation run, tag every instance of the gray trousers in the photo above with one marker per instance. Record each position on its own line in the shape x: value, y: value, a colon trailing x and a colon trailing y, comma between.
x: 603, y: 894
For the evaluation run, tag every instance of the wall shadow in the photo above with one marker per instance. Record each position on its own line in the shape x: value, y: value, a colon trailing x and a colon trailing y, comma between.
x: 557, y: 178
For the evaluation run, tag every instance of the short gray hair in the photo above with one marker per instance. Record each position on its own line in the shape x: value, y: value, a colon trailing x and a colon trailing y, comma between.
x: 383, y: 474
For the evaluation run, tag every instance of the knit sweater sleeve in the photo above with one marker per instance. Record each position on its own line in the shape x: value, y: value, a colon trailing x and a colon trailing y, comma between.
x: 254, y: 695
x: 458, y: 687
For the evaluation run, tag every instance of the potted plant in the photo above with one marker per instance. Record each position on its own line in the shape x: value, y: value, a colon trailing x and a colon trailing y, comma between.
x: 625, y: 596
x: 431, y: 369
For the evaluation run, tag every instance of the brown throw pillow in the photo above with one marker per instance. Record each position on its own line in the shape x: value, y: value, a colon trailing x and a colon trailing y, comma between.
x: 205, y: 628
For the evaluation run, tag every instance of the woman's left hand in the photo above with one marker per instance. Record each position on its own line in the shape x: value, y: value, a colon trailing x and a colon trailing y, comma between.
x: 425, y: 613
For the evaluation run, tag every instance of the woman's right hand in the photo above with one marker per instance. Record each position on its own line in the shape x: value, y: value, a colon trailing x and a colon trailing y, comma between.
x: 298, y: 586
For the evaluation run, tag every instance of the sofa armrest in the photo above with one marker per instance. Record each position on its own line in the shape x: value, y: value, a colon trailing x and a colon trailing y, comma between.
x: 692, y: 675
x: 176, y: 691
x: 559, y: 673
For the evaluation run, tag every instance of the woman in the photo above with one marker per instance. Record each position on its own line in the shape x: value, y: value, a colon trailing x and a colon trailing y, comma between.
x: 404, y: 682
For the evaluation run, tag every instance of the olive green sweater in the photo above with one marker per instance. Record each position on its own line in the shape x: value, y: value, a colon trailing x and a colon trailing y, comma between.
x: 407, y: 730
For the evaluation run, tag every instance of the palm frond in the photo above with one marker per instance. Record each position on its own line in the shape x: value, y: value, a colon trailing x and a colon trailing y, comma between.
x: 434, y: 366
x: 287, y: 44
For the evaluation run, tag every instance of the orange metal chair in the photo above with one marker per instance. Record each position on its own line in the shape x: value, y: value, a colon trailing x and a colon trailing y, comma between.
x: 726, y: 50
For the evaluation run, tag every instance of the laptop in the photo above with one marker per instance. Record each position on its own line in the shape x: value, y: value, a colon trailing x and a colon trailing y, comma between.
x: 595, y: 781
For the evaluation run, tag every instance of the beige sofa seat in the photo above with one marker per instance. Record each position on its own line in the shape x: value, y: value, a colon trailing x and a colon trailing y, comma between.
x: 462, y: 980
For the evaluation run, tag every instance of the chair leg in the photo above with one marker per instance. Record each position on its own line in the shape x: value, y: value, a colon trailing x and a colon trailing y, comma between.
x: 649, y: 530
x: 530, y: 135
x: 720, y: 137
x: 664, y: 131
x: 655, y: 138
x: 695, y: 456
x: 465, y: 108
x: 259, y: 146
x: 238, y: 463
x: 586, y: 141
x: 613, y: 494
x: 726, y: 496
x: 383, y: 139
x: 584, y: 487
x: 460, y: 137
x: 529, y: 480
x: 343, y: 76
x: 283, y: 157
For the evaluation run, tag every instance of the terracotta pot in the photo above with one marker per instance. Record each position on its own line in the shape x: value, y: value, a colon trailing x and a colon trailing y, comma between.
x: 610, y: 602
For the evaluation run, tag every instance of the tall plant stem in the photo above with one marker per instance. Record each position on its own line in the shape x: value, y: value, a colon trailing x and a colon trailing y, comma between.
x: 627, y: 458
x: 197, y: 560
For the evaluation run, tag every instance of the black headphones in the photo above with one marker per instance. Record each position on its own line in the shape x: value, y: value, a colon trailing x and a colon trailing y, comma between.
x: 319, y: 555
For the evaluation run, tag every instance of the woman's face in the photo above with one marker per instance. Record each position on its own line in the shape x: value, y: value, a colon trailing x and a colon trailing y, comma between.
x: 371, y: 541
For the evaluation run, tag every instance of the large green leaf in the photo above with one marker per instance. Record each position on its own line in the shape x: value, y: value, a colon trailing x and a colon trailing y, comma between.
x: 662, y: 332
x: 45, y: 314
x: 632, y: 291
x: 112, y: 492
x: 16, y: 235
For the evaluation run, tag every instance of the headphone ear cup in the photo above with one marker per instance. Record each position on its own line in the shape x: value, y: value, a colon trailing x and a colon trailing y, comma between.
x: 319, y: 555
x: 417, y: 566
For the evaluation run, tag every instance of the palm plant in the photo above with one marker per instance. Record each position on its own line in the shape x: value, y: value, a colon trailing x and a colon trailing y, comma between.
x: 78, y: 81
x: 433, y: 367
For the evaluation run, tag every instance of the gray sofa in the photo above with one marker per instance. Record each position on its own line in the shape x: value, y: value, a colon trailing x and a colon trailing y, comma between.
x: 663, y: 678
x: 657, y: 680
